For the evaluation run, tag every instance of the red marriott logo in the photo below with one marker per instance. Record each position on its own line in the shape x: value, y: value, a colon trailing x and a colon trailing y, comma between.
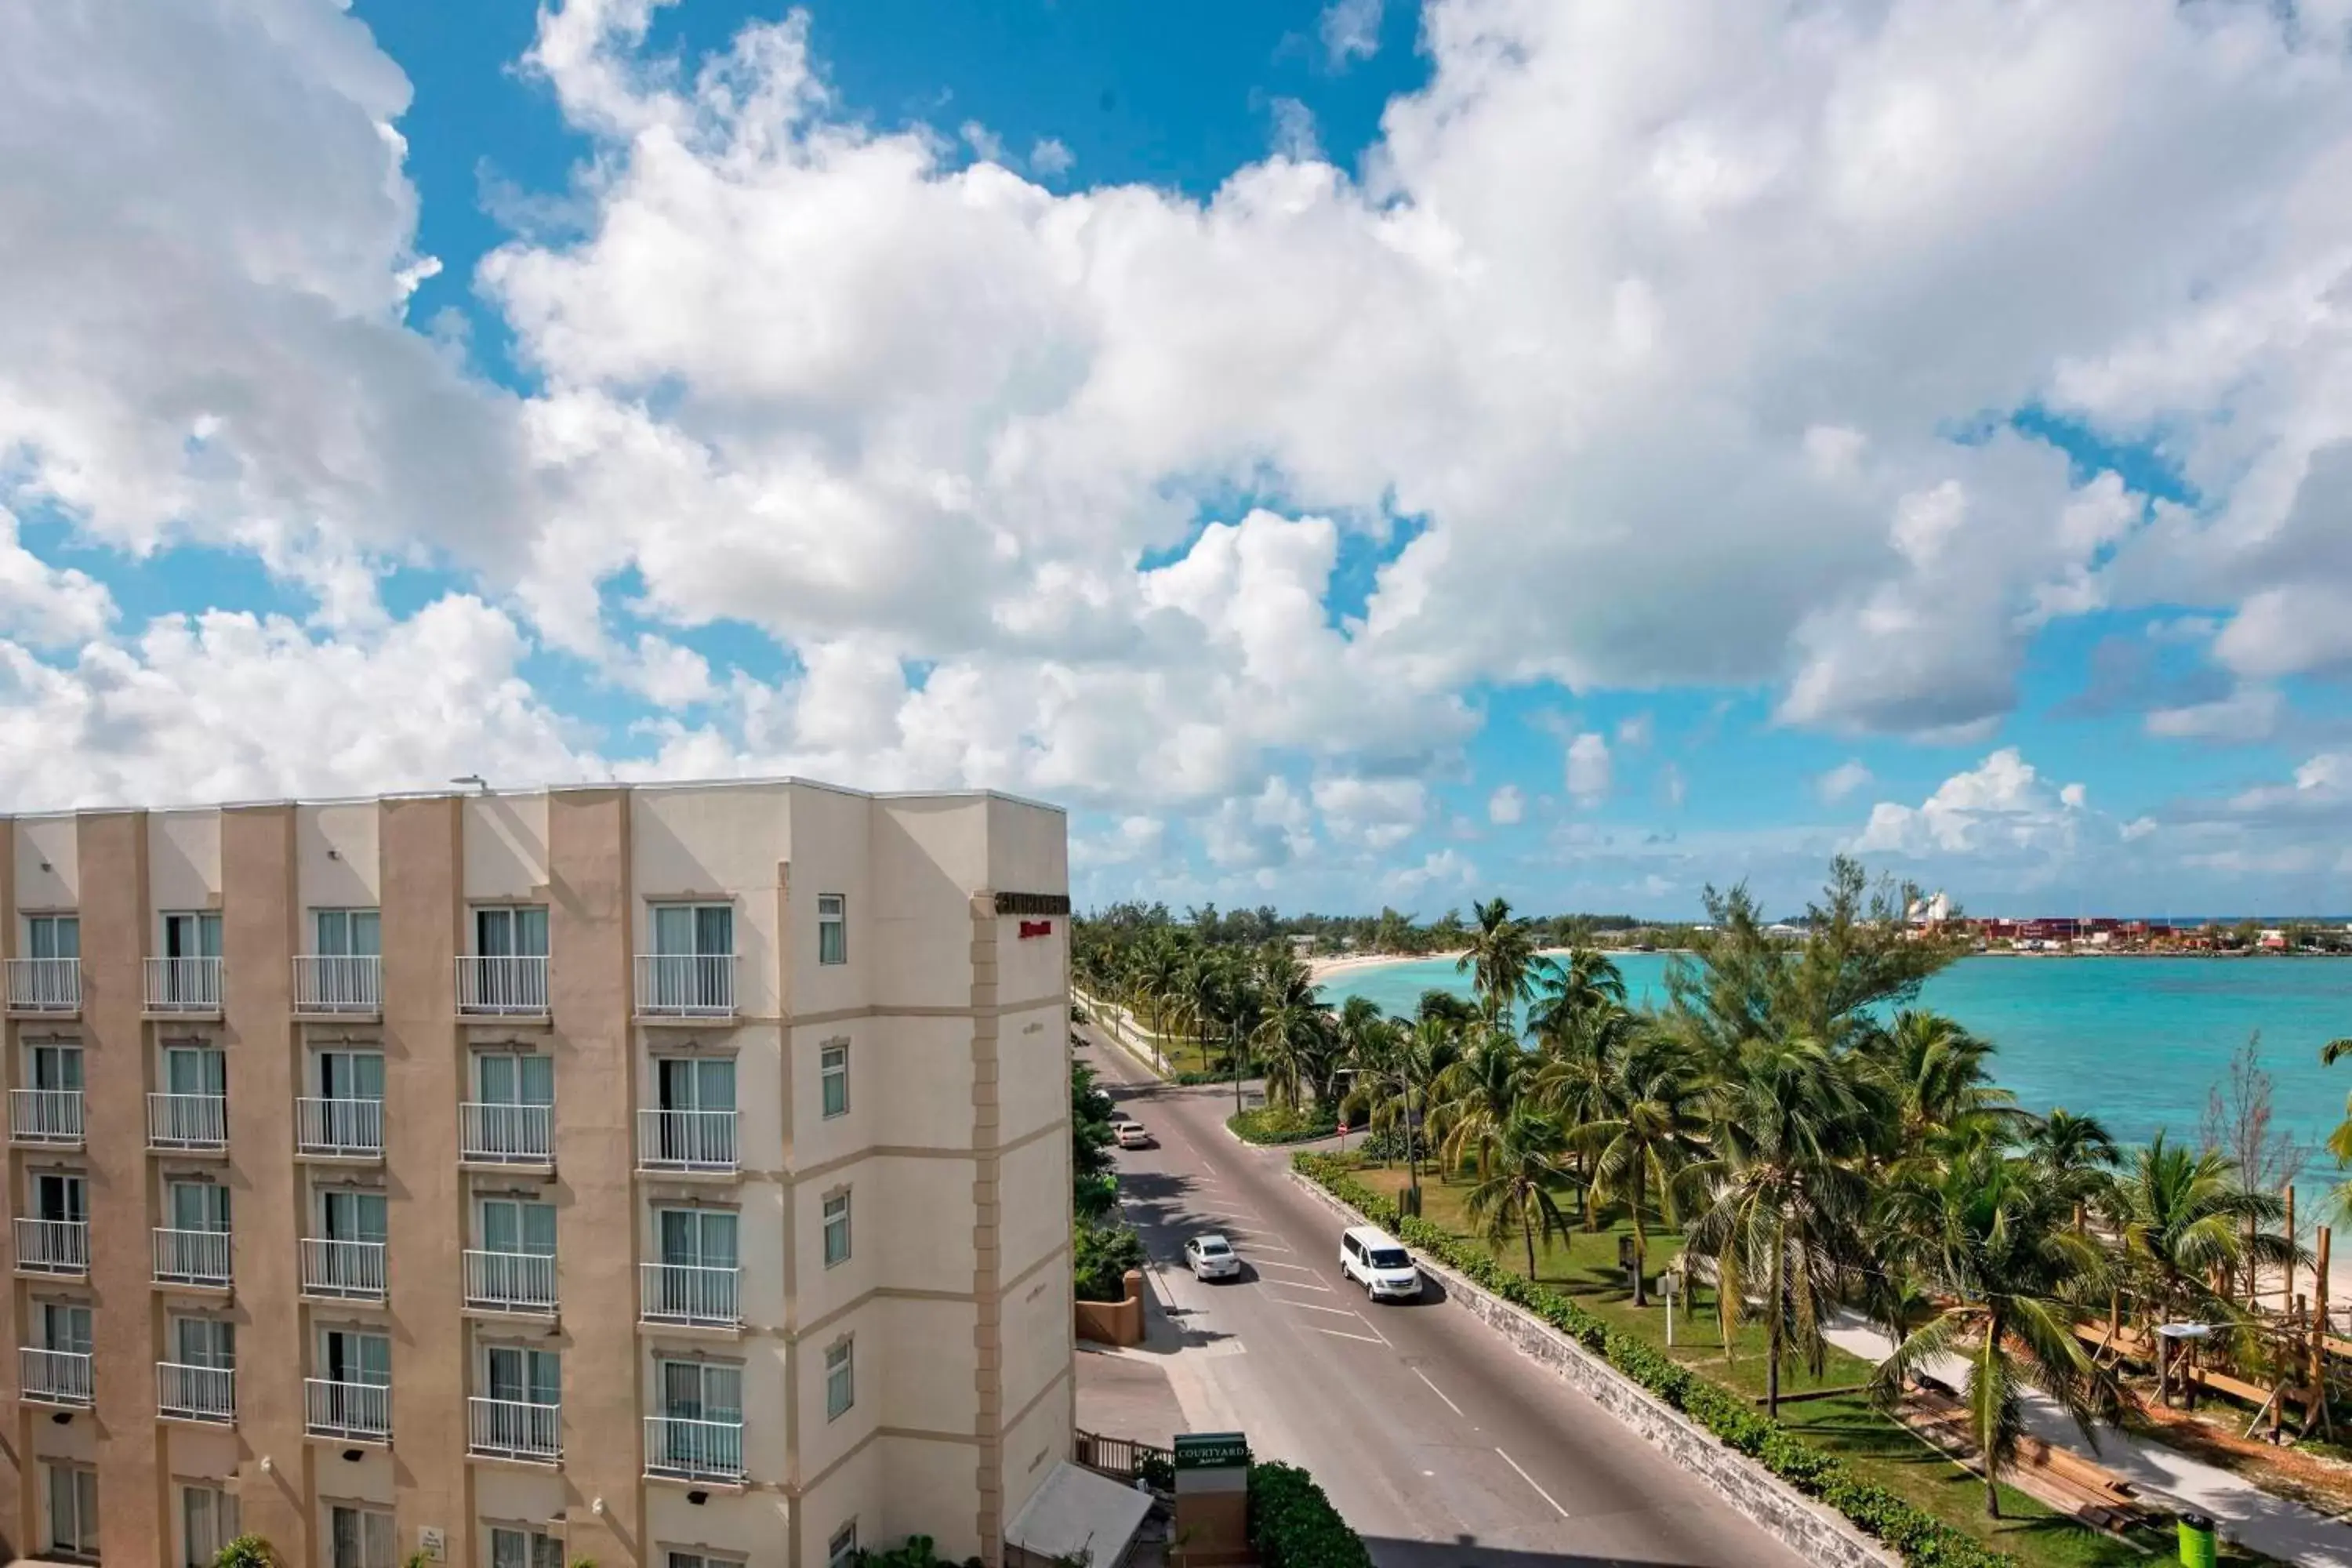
x: 1036, y: 928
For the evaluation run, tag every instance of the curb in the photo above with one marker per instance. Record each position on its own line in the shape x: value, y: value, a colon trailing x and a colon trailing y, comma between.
x: 1764, y: 1499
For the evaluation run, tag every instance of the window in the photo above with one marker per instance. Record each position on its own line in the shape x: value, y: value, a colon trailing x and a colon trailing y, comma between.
x: 694, y: 930
x: 833, y: 1076
x: 354, y: 1356
x: 702, y: 1417
x: 511, y: 932
x: 520, y: 1548
x: 73, y: 1511
x: 52, y: 936
x: 695, y: 1083
x: 840, y: 1378
x: 518, y: 1227
x: 203, y: 1341
x: 504, y: 1078
x: 361, y: 1537
x: 191, y: 936
x: 841, y: 1552
x: 65, y: 1326
x: 194, y: 1069
x: 836, y: 1229
x: 197, y: 1205
x: 207, y: 1524
x: 519, y: 1375
x: 347, y: 934
x: 53, y: 1066
x: 353, y: 1213
x: 697, y: 1238
x: 60, y: 1195
x: 694, y: 957
x: 831, y: 928
x: 350, y: 1075
x: 507, y: 971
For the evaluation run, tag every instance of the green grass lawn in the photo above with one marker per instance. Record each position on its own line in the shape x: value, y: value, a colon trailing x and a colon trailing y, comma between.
x: 1878, y: 1447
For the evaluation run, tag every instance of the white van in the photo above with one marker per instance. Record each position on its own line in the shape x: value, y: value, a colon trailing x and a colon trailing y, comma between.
x: 1379, y: 1262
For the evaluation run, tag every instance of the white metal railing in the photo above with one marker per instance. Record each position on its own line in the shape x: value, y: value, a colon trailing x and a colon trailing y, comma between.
x: 45, y: 985
x: 511, y: 1281
x: 54, y: 1377
x: 694, y: 1450
x: 349, y: 1128
x: 187, y: 1121
x: 688, y: 1294
x: 686, y: 985
x: 192, y: 1257
x: 511, y: 1429
x: 348, y: 1409
x: 183, y: 985
x: 506, y: 1134
x: 349, y: 1269
x: 44, y: 1115
x: 686, y: 1140
x: 195, y: 1393
x: 53, y: 1245
x: 325, y: 983
x: 502, y: 986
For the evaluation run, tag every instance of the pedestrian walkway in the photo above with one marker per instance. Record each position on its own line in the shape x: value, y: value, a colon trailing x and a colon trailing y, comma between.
x: 2247, y: 1514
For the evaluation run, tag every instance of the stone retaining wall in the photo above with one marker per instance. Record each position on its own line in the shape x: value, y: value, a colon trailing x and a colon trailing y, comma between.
x: 1803, y: 1526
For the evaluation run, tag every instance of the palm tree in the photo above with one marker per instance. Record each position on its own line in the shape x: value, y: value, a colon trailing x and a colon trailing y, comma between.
x: 1396, y: 1080
x: 2183, y: 1224
x: 1575, y: 996
x: 1790, y: 1196
x: 1295, y: 1036
x: 2339, y: 1142
x: 2076, y: 1154
x: 1478, y: 1096
x: 1514, y: 1191
x: 1938, y: 1073
x: 1501, y: 952
x: 1656, y: 1136
x: 1990, y: 1236
x: 1155, y: 981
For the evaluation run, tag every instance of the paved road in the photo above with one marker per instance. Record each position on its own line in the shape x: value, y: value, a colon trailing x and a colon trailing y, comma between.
x: 1439, y: 1444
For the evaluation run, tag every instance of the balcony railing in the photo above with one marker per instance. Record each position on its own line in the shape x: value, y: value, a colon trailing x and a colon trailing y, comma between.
x: 45, y: 985
x: 343, y: 1129
x: 502, y: 988
x: 696, y: 985
x: 183, y: 985
x: 687, y: 1450
x: 192, y: 1257
x: 506, y: 1134
x: 511, y: 1429
x: 187, y: 1121
x: 45, y: 1116
x: 686, y: 1140
x: 688, y: 1294
x: 195, y: 1393
x: 53, y: 1245
x: 334, y: 984
x: 346, y: 1270
x: 511, y: 1281
x: 348, y: 1410
x: 54, y: 1377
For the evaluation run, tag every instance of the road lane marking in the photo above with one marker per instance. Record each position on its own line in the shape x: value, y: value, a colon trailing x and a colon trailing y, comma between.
x: 1298, y: 1267
x: 1439, y: 1391
x: 1531, y: 1481
x: 1359, y: 1339
x: 1369, y: 1323
x: 1297, y: 1285
x: 1311, y: 1307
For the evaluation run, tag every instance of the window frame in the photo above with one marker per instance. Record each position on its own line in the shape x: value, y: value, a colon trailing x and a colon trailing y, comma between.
x: 828, y: 1218
x: 350, y: 915
x: 83, y: 1548
x: 835, y: 922
x: 841, y: 1377
x: 54, y: 922
x: 832, y: 1072
x: 223, y: 1523
x: 841, y: 1547
x: 363, y: 1512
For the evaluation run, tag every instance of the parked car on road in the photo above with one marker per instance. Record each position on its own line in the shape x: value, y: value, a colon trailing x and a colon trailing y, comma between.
x: 1379, y: 1262
x: 1133, y: 1135
x: 1212, y: 1256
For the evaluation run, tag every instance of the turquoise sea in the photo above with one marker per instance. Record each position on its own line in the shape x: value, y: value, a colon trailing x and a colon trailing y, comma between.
x: 2138, y: 1042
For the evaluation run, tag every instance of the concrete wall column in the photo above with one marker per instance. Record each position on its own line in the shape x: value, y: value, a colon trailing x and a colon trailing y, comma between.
x: 987, y: 1274
x: 590, y: 999
x: 15, y: 1436
x: 264, y: 1057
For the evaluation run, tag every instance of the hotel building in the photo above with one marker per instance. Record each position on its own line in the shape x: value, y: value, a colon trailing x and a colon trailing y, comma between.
x: 670, y: 1175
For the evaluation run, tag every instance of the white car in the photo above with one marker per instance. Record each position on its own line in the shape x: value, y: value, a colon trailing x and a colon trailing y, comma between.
x: 1379, y: 1262
x: 1133, y: 1135
x: 1212, y: 1256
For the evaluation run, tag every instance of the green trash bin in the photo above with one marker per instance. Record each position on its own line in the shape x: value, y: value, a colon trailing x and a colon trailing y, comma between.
x: 2198, y: 1546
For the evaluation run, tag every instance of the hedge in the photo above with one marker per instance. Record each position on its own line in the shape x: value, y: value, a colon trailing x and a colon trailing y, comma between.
x: 1924, y: 1540
x: 1282, y: 1124
x: 1293, y: 1525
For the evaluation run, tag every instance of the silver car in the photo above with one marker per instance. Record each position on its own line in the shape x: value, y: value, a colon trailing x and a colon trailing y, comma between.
x: 1212, y: 1256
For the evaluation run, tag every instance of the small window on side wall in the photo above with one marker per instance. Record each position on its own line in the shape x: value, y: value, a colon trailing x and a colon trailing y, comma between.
x: 841, y: 1552
x: 832, y: 1078
x: 831, y: 928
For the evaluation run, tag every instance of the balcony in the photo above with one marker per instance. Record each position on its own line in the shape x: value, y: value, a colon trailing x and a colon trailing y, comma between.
x: 680, y: 1450
x: 511, y: 1282
x: 351, y: 1412
x: 509, y: 1429
x: 193, y: 1258
x: 339, y: 1128
x: 689, y: 1295
x: 502, y: 988
x: 694, y: 1141
x: 45, y: 1116
x: 337, y: 987
x: 506, y: 1134
x: 48, y: 987
x: 54, y: 1377
x: 180, y: 1122
x: 53, y: 1247
x: 342, y: 1270
x: 195, y: 1393
x: 183, y: 987
x: 698, y: 985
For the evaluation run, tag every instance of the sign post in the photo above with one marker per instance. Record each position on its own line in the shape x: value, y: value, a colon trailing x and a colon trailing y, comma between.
x: 1211, y: 1524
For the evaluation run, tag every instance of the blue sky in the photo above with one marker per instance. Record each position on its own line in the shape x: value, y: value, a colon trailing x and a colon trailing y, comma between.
x: 1347, y: 453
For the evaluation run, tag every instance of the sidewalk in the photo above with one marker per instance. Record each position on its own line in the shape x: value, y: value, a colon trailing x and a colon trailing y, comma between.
x: 2246, y: 1513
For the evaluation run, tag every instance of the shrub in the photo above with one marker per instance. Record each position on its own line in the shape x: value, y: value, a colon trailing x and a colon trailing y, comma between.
x: 246, y: 1551
x: 1922, y: 1540
x: 1282, y: 1124
x: 1388, y: 1143
x: 1293, y: 1525
x: 1100, y: 1257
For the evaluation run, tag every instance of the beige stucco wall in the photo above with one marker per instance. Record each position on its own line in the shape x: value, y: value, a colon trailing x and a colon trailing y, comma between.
x: 722, y: 841
x: 50, y: 838
x: 751, y: 1526
x: 183, y: 860
x: 929, y: 857
x: 349, y: 878
x: 506, y: 847
x: 832, y: 854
